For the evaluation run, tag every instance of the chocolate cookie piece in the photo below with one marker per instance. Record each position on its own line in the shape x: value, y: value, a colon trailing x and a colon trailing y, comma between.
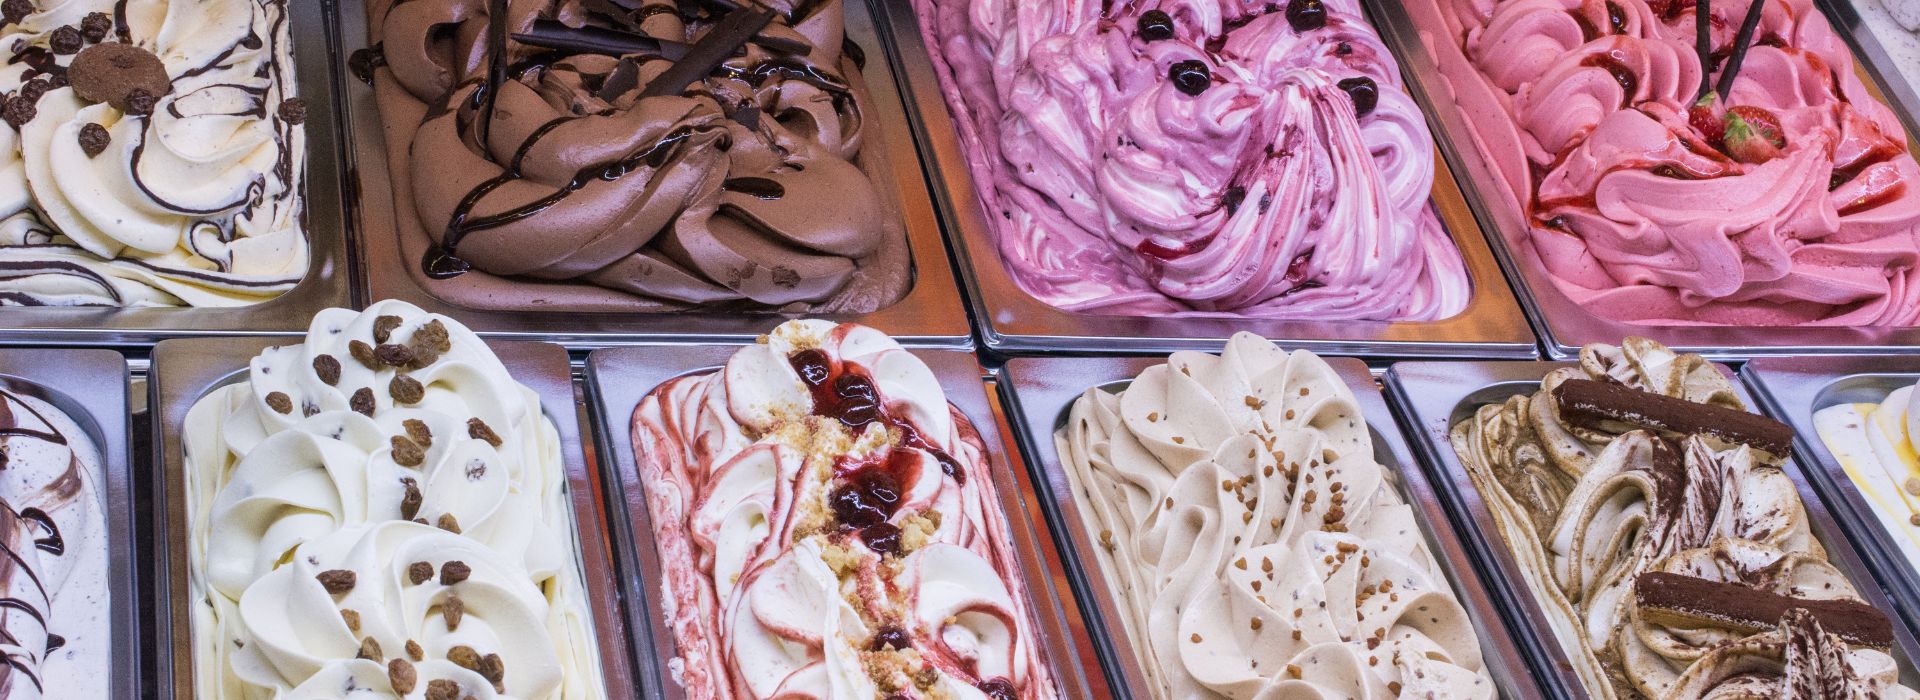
x: 111, y: 72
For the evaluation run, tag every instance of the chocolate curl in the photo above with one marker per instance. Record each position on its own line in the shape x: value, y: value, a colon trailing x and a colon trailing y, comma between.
x: 1588, y: 403
x: 720, y: 43
x: 551, y: 34
x: 1677, y: 600
x: 1741, y: 42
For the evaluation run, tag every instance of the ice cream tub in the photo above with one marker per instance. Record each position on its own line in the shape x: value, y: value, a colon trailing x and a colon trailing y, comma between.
x: 1041, y: 392
x: 67, y: 297
x: 1014, y: 321
x: 1430, y: 399
x: 185, y: 371
x: 598, y: 304
x: 618, y: 379
x: 1703, y: 300
x: 66, y: 426
x: 1797, y: 390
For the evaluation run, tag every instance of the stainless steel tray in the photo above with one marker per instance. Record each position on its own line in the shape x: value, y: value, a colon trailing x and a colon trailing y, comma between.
x: 1792, y: 390
x: 1881, y: 71
x: 1563, y: 324
x: 1430, y: 398
x: 327, y: 284
x: 90, y: 386
x: 184, y: 371
x: 930, y: 315
x: 1013, y: 322
x: 1040, y: 391
x: 618, y: 379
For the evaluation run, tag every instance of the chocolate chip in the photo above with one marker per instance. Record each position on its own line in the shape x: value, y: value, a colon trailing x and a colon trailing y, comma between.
x: 406, y: 453
x: 16, y: 10
x: 95, y: 27
x: 401, y: 675
x: 362, y: 401
x: 410, y: 503
x: 280, y: 403
x: 418, y: 572
x: 442, y: 689
x: 352, y: 618
x: 417, y: 430
x: 328, y: 368
x: 336, y: 581
x: 383, y: 327
x: 114, y: 73
x: 406, y: 390
x: 448, y: 522
x: 34, y: 89
x: 451, y: 610
x: 415, y: 652
x: 465, y: 657
x: 140, y: 102
x: 94, y: 139
x: 494, y: 670
x: 454, y: 572
x: 370, y: 650
x: 363, y: 353
x: 66, y: 41
x: 294, y: 111
x: 393, y: 355
x: 478, y: 430
x: 18, y: 111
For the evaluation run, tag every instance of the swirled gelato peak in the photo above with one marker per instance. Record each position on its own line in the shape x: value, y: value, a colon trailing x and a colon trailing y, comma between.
x: 829, y: 528
x: 1253, y: 544
x: 654, y: 155
x: 148, y: 157
x: 1671, y: 554
x: 1197, y: 157
x: 380, y: 511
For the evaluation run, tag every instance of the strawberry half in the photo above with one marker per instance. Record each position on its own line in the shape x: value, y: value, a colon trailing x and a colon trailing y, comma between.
x: 1747, y: 142
x: 1703, y: 119
x: 1763, y: 123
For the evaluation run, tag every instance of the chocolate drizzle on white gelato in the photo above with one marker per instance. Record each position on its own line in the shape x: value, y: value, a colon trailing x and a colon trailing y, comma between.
x: 53, y: 558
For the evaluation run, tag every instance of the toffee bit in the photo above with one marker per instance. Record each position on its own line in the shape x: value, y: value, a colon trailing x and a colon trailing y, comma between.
x: 352, y: 618
x: 451, y: 610
x: 370, y: 649
x: 1196, y: 638
x: 417, y: 430
x: 478, y: 430
x: 442, y: 689
x: 401, y: 675
x: 494, y: 670
x: 454, y: 572
x: 418, y: 572
x: 415, y: 652
x: 1293, y: 670
x: 406, y: 453
x: 465, y: 657
x: 448, y: 522
x: 336, y: 581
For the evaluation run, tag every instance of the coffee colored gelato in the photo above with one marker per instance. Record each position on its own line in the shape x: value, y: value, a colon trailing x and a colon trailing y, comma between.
x: 1252, y: 542
x: 55, y: 634
x: 635, y: 156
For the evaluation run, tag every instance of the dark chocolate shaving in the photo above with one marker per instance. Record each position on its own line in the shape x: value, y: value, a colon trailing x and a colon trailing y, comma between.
x: 551, y: 34
x: 1750, y: 610
x: 1587, y: 403
x: 719, y: 44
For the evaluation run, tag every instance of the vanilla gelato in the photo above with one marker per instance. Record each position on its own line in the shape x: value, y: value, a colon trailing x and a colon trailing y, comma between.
x: 1874, y: 443
x: 53, y: 528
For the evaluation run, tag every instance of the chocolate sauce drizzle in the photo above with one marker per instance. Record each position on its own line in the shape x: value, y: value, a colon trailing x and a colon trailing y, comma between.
x: 52, y: 542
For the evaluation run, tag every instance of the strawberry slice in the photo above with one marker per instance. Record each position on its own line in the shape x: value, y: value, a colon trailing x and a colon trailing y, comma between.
x: 1701, y: 115
x: 1763, y: 123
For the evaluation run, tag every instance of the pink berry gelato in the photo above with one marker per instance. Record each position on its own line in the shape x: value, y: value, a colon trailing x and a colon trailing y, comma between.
x: 1785, y: 200
x: 1197, y: 157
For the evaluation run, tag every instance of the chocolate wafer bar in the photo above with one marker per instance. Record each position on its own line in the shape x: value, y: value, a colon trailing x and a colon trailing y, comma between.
x: 1590, y: 404
x: 1677, y: 600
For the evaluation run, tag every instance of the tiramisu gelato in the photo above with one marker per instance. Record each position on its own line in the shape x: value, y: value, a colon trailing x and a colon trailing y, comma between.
x: 1874, y: 443
x: 1203, y: 158
x: 635, y: 155
x: 828, y: 528
x: 1653, y: 524
x: 152, y: 154
x: 1252, y: 542
x: 380, y: 512
x: 1737, y: 175
x: 55, y: 634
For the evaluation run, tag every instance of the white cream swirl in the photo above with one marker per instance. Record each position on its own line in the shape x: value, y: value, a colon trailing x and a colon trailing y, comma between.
x: 197, y: 204
x: 1253, y: 542
x: 292, y: 480
x: 777, y: 584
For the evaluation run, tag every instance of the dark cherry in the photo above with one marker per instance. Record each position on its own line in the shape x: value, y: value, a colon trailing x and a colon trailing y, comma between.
x: 859, y: 403
x: 1191, y: 77
x: 1155, y: 25
x: 890, y: 636
x: 1232, y: 198
x: 949, y: 466
x: 998, y: 689
x: 1306, y: 15
x: 882, y: 538
x: 1365, y: 94
x: 813, y: 365
x: 855, y: 507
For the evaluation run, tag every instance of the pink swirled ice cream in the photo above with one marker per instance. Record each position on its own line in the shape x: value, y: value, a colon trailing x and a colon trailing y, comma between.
x: 1197, y: 157
x: 1645, y: 207
x: 828, y: 528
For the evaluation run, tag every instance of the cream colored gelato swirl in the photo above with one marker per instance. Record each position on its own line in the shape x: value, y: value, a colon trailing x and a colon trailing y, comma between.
x: 1874, y: 443
x: 196, y: 204
x: 1255, y: 546
x: 829, y: 529
x: 314, y: 466
x: 1586, y: 511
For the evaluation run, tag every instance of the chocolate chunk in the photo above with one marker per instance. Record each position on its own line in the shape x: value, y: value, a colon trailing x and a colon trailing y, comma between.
x: 478, y: 430
x: 18, y: 111
x: 406, y: 390
x: 384, y: 326
x: 1677, y: 600
x: 114, y: 73
x: 442, y: 689
x: 410, y: 502
x: 34, y: 89
x: 94, y: 139
x: 280, y: 403
x: 418, y: 572
x: 362, y: 401
x: 352, y: 618
x: 1588, y: 403
x: 15, y: 10
x: 451, y: 610
x: 363, y: 353
x: 370, y: 650
x: 454, y: 572
x: 448, y: 522
x: 393, y: 355
x: 336, y: 581
x: 140, y: 102
x: 415, y: 652
x: 95, y: 27
x: 66, y: 41
x: 293, y: 111
x: 406, y: 453
x: 417, y: 430
x: 465, y: 657
x: 327, y: 368
x: 401, y: 675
